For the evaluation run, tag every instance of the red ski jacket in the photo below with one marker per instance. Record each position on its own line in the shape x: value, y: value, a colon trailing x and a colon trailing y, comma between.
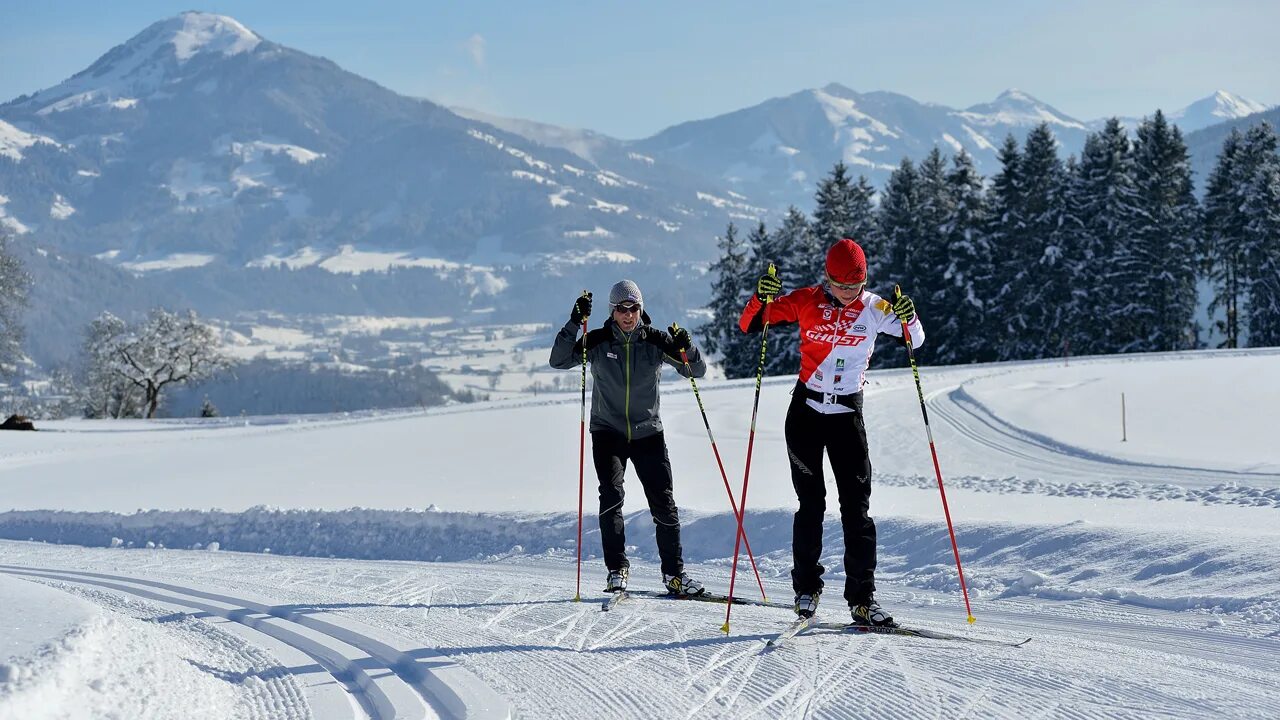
x: 835, y: 342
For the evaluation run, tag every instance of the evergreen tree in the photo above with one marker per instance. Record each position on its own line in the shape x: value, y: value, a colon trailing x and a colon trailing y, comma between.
x: 790, y: 248
x: 925, y: 270
x: 899, y: 228
x: 1158, y: 267
x: 1258, y: 181
x: 1106, y: 200
x: 1223, y: 240
x: 1043, y: 290
x: 968, y: 275
x: 1004, y: 232
x: 863, y: 226
x: 832, y: 216
x: 730, y: 290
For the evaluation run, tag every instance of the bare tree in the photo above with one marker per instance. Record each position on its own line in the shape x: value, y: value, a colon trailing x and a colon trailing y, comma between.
x: 129, y: 367
x: 14, y: 283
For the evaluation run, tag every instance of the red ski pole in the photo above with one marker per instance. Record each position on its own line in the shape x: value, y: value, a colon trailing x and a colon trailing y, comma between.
x: 751, y: 439
x: 582, y: 450
x: 911, y: 356
x: 737, y: 515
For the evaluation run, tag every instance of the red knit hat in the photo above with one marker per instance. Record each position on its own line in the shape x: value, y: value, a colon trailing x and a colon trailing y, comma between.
x: 846, y: 263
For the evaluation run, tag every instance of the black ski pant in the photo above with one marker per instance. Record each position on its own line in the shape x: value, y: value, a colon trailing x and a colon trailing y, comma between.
x: 610, y: 451
x: 844, y: 437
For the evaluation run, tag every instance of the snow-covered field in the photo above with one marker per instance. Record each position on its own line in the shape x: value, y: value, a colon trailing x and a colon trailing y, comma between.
x: 1144, y: 561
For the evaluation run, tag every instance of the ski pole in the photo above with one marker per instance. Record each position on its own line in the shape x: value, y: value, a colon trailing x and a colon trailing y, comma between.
x: 751, y: 438
x: 911, y: 356
x: 582, y: 450
x: 684, y: 356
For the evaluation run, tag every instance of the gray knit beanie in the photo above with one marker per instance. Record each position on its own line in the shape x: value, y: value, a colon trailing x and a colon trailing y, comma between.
x: 625, y: 291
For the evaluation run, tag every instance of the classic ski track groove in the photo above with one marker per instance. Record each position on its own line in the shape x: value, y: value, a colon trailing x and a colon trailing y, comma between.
x: 279, y: 696
x: 411, y: 688
x: 971, y: 420
x: 677, y: 663
x: 364, y: 700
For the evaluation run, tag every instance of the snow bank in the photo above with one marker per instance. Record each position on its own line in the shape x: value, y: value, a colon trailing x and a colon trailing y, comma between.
x: 1159, y: 568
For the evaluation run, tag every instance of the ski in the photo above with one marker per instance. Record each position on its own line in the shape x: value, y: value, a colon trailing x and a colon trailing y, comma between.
x: 914, y: 632
x: 613, y: 600
x: 709, y: 598
x: 795, y: 628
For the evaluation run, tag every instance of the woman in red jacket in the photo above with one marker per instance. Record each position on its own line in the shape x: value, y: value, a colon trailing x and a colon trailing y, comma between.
x: 838, y: 321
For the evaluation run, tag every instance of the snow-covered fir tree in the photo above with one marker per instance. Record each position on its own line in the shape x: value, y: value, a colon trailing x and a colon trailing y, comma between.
x: 1106, y: 201
x: 1156, y: 305
x: 832, y: 214
x: 1258, y: 183
x: 899, y: 225
x: 923, y: 275
x: 1004, y: 233
x: 863, y: 226
x: 1223, y: 240
x: 1043, y: 290
x: 790, y: 248
x: 966, y: 281
x: 732, y: 286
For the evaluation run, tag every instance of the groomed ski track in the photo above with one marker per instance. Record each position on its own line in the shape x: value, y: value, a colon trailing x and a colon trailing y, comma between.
x: 421, y: 640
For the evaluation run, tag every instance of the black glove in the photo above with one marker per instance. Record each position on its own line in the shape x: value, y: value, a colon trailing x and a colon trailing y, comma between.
x: 768, y: 286
x: 904, y: 309
x: 680, y: 339
x: 581, y: 309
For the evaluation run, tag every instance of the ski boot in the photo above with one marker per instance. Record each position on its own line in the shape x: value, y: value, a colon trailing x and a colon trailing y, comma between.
x: 682, y: 584
x: 871, y: 614
x: 807, y: 603
x: 617, y: 581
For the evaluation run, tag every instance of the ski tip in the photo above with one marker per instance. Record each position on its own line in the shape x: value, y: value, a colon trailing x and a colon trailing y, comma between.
x: 972, y: 619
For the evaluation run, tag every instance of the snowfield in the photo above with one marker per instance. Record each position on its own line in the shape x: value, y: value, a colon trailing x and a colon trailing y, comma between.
x: 421, y: 564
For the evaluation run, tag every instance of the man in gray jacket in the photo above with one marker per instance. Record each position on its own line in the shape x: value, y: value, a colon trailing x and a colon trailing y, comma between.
x: 626, y: 357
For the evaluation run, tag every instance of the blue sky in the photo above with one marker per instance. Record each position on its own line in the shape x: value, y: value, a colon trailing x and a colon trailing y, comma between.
x: 631, y: 69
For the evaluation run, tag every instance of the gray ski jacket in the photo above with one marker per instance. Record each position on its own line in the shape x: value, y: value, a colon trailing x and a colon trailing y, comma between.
x: 625, y: 370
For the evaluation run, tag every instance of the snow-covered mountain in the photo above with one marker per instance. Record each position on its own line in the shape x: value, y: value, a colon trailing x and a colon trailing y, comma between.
x: 199, y: 142
x: 1220, y: 107
x: 780, y: 148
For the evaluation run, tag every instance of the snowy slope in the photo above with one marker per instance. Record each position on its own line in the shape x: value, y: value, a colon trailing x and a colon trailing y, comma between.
x: 1147, y: 569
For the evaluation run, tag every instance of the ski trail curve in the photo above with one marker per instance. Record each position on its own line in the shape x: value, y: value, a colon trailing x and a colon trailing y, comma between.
x: 385, y: 676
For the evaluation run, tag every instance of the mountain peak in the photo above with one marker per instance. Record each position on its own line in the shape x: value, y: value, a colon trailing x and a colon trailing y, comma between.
x: 1015, y: 107
x: 194, y: 32
x: 147, y: 62
x: 1014, y: 95
x: 1218, y: 107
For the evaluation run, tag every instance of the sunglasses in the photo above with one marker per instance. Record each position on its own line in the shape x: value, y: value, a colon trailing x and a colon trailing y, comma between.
x: 846, y: 286
x: 626, y: 309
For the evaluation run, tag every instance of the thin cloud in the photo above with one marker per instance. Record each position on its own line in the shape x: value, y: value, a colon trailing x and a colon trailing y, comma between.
x: 475, y: 47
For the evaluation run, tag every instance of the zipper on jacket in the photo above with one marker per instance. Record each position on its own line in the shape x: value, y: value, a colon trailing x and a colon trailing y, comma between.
x: 626, y: 411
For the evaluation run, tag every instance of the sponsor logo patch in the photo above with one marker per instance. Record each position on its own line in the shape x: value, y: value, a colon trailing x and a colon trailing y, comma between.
x: 818, y: 373
x: 842, y: 340
x: 838, y: 378
x: 839, y: 363
x: 859, y: 327
x: 611, y: 356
